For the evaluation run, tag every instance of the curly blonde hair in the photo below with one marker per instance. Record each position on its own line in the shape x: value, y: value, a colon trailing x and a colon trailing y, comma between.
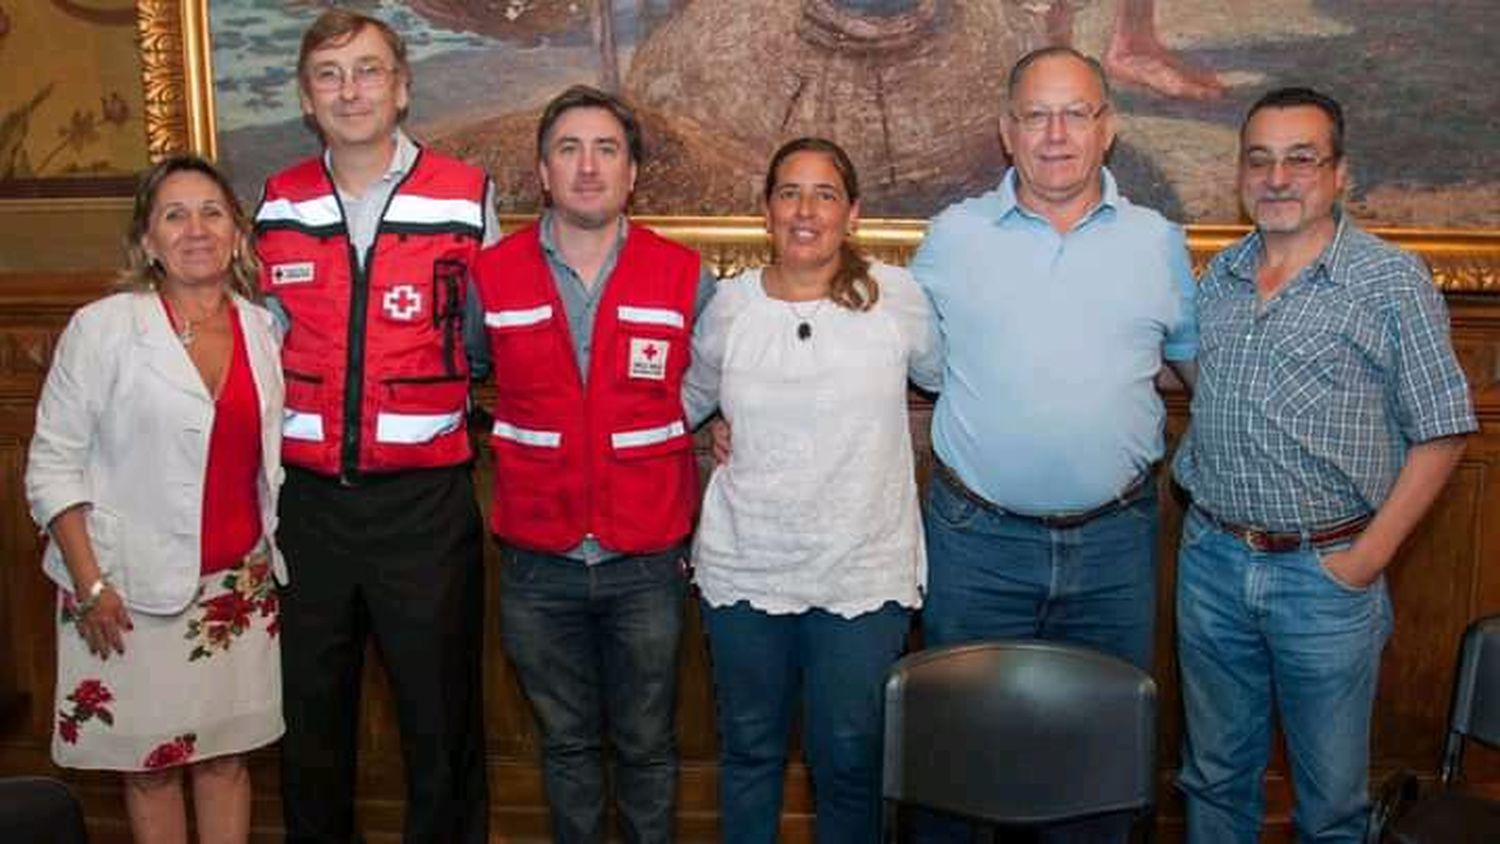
x: 143, y: 273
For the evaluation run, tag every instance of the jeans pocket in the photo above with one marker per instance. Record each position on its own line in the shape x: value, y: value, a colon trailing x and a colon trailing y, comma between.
x: 1143, y: 507
x: 947, y: 505
x: 517, y: 569
x: 1321, y: 555
x: 658, y: 568
x: 1194, y: 528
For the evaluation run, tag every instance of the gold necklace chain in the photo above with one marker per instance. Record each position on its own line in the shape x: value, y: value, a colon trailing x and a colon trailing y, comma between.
x: 187, y: 331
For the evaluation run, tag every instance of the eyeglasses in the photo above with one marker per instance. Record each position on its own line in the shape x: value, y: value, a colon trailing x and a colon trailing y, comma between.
x: 365, y: 75
x: 1075, y: 118
x: 1297, y: 165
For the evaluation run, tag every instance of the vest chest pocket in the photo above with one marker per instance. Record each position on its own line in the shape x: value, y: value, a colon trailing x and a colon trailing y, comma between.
x: 302, y: 413
x: 419, y: 410
x: 654, y: 441
x: 651, y: 346
x: 522, y: 343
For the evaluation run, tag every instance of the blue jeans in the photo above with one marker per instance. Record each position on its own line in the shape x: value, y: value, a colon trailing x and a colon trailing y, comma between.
x: 1257, y: 630
x: 595, y: 648
x: 991, y: 575
x: 759, y: 660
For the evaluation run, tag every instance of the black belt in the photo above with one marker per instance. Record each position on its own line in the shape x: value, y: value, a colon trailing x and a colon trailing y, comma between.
x: 1280, y: 541
x: 1057, y: 521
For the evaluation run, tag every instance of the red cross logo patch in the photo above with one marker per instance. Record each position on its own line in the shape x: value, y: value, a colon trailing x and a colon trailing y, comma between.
x: 648, y: 358
x: 298, y: 273
x: 402, y: 302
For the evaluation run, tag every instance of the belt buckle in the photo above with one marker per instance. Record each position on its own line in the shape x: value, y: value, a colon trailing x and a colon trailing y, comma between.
x: 1258, y: 540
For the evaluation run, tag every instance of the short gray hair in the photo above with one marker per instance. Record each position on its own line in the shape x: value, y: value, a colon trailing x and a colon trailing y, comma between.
x: 1018, y: 70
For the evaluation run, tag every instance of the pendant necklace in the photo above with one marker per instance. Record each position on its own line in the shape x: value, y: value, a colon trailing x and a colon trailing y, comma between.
x: 804, y: 320
x: 186, y: 333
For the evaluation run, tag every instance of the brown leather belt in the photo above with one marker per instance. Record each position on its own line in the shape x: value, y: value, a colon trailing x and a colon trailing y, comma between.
x: 1276, y: 542
x: 1059, y: 521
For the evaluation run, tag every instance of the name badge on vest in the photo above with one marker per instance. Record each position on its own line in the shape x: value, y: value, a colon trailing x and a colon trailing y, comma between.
x: 648, y: 358
x: 300, y: 273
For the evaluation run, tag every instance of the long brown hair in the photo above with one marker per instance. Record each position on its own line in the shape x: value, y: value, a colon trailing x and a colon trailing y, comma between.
x: 852, y: 287
x: 141, y: 273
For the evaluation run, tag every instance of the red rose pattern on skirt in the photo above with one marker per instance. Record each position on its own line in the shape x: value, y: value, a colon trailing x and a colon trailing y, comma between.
x: 225, y: 617
x: 88, y: 701
x: 178, y: 751
x: 221, y: 652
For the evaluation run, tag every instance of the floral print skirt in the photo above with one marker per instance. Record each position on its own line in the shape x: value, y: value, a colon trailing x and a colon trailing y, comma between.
x: 203, y: 683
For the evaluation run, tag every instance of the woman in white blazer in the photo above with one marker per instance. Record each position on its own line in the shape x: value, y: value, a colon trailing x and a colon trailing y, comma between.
x: 154, y: 469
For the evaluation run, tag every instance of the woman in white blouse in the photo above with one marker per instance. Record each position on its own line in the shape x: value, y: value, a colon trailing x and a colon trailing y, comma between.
x: 809, y: 554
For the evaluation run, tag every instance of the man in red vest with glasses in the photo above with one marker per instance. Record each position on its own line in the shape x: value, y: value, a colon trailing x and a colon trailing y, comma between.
x: 367, y: 250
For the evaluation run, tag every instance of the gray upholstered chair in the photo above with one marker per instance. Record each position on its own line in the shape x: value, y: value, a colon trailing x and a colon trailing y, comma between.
x: 1448, y: 815
x: 1020, y: 734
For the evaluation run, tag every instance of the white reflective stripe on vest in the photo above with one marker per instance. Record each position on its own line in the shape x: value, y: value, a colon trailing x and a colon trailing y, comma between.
x: 512, y: 319
x: 415, y: 427
x: 650, y: 316
x: 424, y: 210
x: 647, y: 436
x: 527, y: 436
x: 313, y: 213
x: 297, y: 425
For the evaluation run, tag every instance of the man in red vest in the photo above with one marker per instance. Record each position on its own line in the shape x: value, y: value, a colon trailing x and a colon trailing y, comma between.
x: 589, y: 319
x: 367, y: 251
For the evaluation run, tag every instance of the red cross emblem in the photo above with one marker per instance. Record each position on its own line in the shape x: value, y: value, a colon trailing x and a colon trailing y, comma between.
x: 648, y: 358
x: 402, y: 302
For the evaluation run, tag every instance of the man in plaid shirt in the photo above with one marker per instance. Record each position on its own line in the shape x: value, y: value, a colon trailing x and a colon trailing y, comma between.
x: 1329, y: 412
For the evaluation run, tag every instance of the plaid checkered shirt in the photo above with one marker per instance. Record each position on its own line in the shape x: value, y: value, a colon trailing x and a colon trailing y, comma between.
x: 1306, y: 403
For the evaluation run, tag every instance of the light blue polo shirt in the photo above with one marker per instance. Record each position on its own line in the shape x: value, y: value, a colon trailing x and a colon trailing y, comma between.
x: 1053, y: 342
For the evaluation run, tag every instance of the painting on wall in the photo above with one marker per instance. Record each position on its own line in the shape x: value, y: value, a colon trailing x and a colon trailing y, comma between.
x: 913, y: 88
x: 70, y: 119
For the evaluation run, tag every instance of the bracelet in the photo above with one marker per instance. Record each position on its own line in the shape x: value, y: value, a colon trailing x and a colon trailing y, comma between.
x: 95, y: 593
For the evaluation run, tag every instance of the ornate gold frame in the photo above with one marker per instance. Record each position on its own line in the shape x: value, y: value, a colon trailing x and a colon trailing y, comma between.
x: 177, y: 66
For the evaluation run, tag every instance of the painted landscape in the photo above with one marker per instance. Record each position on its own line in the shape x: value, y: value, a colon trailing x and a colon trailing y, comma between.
x: 912, y: 88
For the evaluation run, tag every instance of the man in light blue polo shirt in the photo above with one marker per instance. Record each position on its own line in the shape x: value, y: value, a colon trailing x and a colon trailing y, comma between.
x: 1058, y: 301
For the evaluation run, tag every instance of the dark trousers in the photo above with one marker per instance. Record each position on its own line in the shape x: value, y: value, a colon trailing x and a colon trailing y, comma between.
x: 595, y: 648
x: 836, y: 667
x: 400, y: 558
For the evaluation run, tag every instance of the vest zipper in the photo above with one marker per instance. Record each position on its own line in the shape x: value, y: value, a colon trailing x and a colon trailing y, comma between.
x: 359, y: 296
x: 354, y: 367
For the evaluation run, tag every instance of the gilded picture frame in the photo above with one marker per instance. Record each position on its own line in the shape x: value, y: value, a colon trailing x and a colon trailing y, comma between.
x: 177, y: 68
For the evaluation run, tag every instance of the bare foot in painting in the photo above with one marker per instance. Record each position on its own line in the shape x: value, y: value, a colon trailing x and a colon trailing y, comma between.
x: 1163, y: 73
x: 1136, y: 57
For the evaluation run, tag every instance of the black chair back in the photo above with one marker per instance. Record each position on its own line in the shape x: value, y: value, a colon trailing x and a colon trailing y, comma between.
x: 1400, y: 813
x: 1476, y: 695
x: 39, y: 810
x: 1020, y: 733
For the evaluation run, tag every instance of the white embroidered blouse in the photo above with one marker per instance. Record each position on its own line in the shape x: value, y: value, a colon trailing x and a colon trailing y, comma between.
x: 817, y: 506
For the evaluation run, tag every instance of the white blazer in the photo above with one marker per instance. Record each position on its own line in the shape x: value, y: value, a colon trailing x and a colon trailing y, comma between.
x: 123, y: 425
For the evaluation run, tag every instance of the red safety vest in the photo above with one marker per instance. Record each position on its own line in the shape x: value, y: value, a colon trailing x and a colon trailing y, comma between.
x: 376, y: 377
x: 612, y: 458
